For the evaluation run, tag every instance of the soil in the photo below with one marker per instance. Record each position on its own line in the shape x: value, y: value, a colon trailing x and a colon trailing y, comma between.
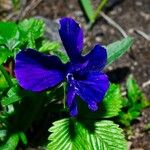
x: 130, y: 15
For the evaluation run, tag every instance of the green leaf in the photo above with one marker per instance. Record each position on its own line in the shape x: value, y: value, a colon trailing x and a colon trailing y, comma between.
x: 117, y: 49
x: 16, y: 4
x: 3, y: 82
x: 110, y: 106
x: 112, y: 103
x: 31, y: 26
x: 135, y: 102
x: 134, y: 93
x: 3, y: 133
x: 107, y: 136
x: 4, y: 54
x: 9, y: 35
x: 64, y: 58
x: 11, y: 143
x: 14, y: 94
x: 31, y: 40
x: 48, y: 46
x: 23, y: 138
x: 54, y: 49
x: 126, y: 117
x: 100, y: 8
x: 147, y: 126
x: 74, y: 135
x: 88, y: 9
x: 62, y: 137
x: 6, y: 75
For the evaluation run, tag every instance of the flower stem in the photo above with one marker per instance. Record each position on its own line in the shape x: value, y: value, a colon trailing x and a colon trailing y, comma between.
x: 7, y: 77
x: 64, y: 91
x: 97, y: 13
x: 99, y: 9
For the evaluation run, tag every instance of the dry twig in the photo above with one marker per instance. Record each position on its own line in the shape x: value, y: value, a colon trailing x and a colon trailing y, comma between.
x: 31, y: 6
x: 145, y: 84
x: 114, y: 24
x: 18, y: 15
x: 143, y: 34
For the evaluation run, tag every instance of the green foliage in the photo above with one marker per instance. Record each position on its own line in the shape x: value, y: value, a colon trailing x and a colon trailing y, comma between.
x: 3, y: 133
x: 92, y: 14
x: 133, y: 104
x: 3, y: 82
x: 4, y: 54
x: 16, y: 4
x: 4, y: 74
x: 147, y: 126
x: 73, y: 134
x: 54, y: 49
x: 87, y: 5
x: 48, y: 46
x: 9, y: 35
x: 11, y: 143
x: 112, y: 103
x: 23, y: 138
x: 13, y: 95
x: 86, y: 132
x: 26, y: 34
x: 117, y: 49
x: 31, y: 28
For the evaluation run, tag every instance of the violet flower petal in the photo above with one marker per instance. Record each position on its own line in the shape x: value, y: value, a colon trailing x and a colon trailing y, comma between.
x: 92, y: 89
x: 72, y: 37
x: 97, y: 59
x: 36, y: 71
x: 71, y: 102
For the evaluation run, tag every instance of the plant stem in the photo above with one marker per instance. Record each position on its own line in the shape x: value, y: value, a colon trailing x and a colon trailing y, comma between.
x: 7, y: 77
x: 97, y: 13
x: 114, y: 24
x: 99, y: 9
x: 64, y: 99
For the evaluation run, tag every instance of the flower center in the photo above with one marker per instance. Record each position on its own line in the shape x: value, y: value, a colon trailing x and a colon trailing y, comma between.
x: 70, y: 77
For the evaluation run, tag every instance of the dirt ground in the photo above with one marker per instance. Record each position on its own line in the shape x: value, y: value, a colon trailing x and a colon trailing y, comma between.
x: 130, y: 15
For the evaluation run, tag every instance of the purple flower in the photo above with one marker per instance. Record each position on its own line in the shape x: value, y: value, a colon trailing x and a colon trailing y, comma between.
x: 37, y: 72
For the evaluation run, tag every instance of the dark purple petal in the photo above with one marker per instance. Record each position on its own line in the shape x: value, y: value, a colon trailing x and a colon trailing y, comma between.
x: 92, y: 89
x: 36, y: 71
x: 72, y: 37
x: 97, y: 59
x: 71, y: 102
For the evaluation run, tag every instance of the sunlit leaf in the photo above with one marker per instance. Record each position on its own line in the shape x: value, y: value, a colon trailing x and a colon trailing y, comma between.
x: 3, y: 133
x: 87, y: 5
x: 3, y: 82
x: 28, y: 27
x: 23, y: 138
x: 117, y: 49
x: 74, y: 135
x: 48, y: 46
x: 135, y: 94
x: 4, y: 54
x: 112, y: 103
x: 109, y: 107
x: 134, y: 103
x: 14, y: 94
x: 54, y: 49
x: 9, y: 35
x: 11, y: 143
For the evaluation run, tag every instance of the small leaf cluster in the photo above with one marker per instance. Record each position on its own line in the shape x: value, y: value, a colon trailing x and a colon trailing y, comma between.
x: 133, y: 103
